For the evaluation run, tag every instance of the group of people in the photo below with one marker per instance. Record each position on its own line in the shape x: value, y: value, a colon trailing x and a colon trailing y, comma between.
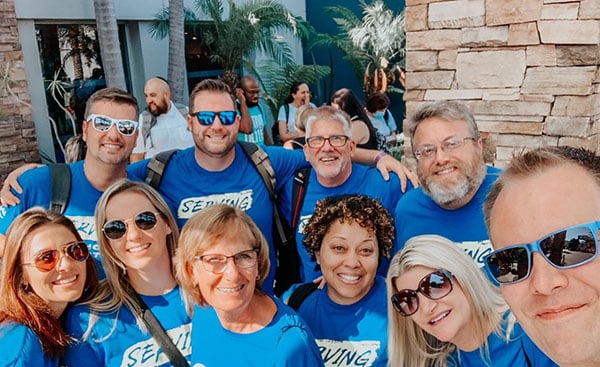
x: 405, y: 274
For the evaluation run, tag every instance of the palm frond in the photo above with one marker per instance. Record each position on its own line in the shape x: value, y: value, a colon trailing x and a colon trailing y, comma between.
x: 159, y: 27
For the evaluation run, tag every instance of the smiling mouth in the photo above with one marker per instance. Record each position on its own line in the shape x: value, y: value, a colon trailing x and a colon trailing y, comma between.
x: 231, y: 290
x: 559, y: 312
x: 68, y: 280
x: 445, y: 171
x: 350, y: 278
x: 440, y: 317
x: 138, y: 248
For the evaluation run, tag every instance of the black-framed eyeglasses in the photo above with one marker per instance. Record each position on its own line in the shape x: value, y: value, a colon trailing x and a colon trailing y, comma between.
x: 435, y: 285
x: 567, y: 248
x: 429, y: 150
x: 117, y: 228
x: 334, y: 140
x: 47, y: 260
x: 207, y: 118
x: 103, y: 123
x: 217, y: 263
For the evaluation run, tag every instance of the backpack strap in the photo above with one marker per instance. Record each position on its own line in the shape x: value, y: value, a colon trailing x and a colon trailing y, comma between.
x: 298, y: 193
x: 157, y: 166
x: 60, y: 183
x: 286, y: 107
x: 300, y: 294
x: 148, y: 122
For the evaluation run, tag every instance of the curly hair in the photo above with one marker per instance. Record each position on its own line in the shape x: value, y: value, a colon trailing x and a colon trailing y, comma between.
x: 360, y: 209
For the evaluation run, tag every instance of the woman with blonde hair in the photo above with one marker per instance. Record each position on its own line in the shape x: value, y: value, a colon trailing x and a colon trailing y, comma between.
x: 137, y: 240
x: 45, y: 267
x: 222, y: 261
x: 443, y: 311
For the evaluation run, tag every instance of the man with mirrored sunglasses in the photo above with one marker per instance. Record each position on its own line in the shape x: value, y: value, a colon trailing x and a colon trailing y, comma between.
x: 110, y: 131
x: 543, y: 217
x: 454, y: 180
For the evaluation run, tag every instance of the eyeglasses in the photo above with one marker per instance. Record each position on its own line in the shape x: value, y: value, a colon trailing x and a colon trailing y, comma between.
x: 217, y: 263
x: 335, y: 141
x: 117, y: 228
x: 47, y: 260
x: 435, y: 285
x: 568, y: 248
x: 429, y: 150
x: 207, y: 118
x: 104, y: 123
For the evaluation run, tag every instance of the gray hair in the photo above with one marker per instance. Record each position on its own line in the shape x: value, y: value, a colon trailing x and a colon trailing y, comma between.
x: 329, y: 113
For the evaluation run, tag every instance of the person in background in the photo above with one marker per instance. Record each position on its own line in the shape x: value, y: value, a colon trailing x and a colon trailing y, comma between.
x: 137, y: 242
x: 45, y: 267
x: 221, y: 262
x: 299, y: 96
x: 162, y: 124
x: 348, y: 236
x: 363, y: 132
x: 253, y: 121
x: 443, y: 311
x: 381, y: 117
x: 300, y: 124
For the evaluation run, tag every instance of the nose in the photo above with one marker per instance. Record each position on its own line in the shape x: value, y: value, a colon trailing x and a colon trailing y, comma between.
x: 426, y: 305
x: 327, y: 146
x: 230, y: 267
x: 545, y: 279
x: 133, y: 232
x: 441, y: 156
x: 63, y: 262
x: 352, y: 260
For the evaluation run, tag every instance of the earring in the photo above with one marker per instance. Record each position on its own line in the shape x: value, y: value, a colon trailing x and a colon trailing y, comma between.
x: 258, y: 277
x: 26, y: 287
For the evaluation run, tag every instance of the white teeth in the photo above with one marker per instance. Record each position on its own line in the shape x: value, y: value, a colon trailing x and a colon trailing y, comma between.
x: 231, y: 290
x: 350, y: 278
x: 112, y: 146
x: 434, y: 321
x: 65, y: 281
x: 138, y: 248
x: 444, y: 171
x: 327, y: 159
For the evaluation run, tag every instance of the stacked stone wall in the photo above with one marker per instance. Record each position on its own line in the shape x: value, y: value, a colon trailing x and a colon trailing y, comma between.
x: 528, y: 69
x: 17, y: 133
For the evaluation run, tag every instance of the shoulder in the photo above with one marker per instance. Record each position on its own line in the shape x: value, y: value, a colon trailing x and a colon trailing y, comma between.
x: 29, y: 351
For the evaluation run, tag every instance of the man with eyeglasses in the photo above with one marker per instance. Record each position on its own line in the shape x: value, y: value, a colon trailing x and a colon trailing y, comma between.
x: 453, y: 176
x: 329, y: 149
x: 110, y: 130
x: 543, y: 217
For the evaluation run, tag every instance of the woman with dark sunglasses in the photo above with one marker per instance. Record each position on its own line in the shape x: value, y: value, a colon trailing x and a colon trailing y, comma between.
x: 45, y: 267
x: 443, y: 311
x: 137, y: 240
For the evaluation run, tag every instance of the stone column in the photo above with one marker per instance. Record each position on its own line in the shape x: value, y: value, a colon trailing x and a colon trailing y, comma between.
x: 528, y: 69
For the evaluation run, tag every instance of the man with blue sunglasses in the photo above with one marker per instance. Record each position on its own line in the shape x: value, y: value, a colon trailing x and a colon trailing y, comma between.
x: 543, y: 216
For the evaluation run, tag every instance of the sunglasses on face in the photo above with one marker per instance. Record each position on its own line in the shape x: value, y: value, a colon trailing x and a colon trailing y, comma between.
x: 47, y: 260
x: 117, y: 228
x: 435, y: 285
x: 104, y: 123
x: 564, y: 249
x: 207, y: 118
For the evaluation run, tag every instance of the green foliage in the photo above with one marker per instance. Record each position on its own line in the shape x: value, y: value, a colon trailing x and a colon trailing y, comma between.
x: 159, y: 28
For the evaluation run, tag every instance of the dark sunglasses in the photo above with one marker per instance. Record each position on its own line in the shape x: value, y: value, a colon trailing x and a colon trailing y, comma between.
x: 564, y: 249
x: 47, y: 260
x: 117, y: 228
x: 104, y: 123
x: 207, y: 118
x: 435, y: 285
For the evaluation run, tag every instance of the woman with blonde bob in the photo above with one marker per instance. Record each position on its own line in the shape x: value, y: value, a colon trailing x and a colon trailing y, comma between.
x: 443, y: 311
x: 222, y: 261
x: 137, y: 240
x: 45, y: 267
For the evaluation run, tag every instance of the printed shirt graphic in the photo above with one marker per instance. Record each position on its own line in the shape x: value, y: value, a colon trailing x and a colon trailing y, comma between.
x: 285, y: 341
x: 80, y: 208
x: 416, y: 214
x: 21, y: 347
x: 363, y: 180
x: 259, y: 121
x: 117, y: 341
x: 349, y: 335
x: 188, y: 188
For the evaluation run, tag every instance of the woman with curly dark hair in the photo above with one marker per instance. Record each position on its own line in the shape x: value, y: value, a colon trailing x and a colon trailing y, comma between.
x: 347, y: 236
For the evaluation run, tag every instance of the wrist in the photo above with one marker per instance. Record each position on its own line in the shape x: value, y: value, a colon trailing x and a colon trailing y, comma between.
x: 379, y: 156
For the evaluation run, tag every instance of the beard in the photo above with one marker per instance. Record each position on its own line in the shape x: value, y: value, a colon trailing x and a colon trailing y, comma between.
x: 449, y: 194
x: 159, y: 108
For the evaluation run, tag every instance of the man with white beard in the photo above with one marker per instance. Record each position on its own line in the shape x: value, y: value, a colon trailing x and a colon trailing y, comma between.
x: 454, y: 180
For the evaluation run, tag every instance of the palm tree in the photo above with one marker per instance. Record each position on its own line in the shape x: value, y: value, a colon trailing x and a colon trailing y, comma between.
x: 110, y: 48
x: 176, y: 71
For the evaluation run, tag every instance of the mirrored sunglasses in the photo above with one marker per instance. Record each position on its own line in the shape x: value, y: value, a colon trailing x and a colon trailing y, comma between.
x: 207, y: 118
x: 117, y: 228
x: 435, y: 285
x: 104, y: 123
x: 567, y: 248
x: 47, y: 260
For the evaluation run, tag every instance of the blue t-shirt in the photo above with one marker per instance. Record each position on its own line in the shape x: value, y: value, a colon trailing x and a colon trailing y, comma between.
x: 364, y: 180
x: 116, y: 339
x: 417, y: 214
x: 285, y: 341
x: 519, y: 350
x: 189, y: 188
x: 259, y: 121
x: 80, y: 207
x: 20, y: 346
x: 349, y: 335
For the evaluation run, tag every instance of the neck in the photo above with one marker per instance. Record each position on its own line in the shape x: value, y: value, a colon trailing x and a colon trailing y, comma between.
x: 254, y: 316
x: 337, y: 180
x: 214, y: 163
x: 453, y: 205
x: 156, y: 280
x: 102, y: 175
x: 472, y: 339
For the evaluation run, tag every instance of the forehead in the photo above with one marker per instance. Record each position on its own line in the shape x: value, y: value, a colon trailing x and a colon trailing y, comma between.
x: 327, y: 125
x: 127, y: 204
x: 48, y: 236
x: 410, y: 279
x: 532, y: 207
x: 213, y: 101
x: 154, y: 86
x: 302, y: 88
x: 114, y: 110
x: 435, y: 129
x: 251, y: 85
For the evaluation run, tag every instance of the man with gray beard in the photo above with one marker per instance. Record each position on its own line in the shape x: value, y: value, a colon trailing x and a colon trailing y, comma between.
x: 454, y: 180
